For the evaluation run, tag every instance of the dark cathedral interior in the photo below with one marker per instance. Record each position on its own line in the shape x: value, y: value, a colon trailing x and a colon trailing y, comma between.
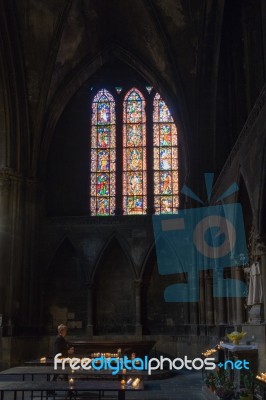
x: 74, y: 251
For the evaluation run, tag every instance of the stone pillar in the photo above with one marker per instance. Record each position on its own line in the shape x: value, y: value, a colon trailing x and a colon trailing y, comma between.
x: 209, y: 299
x: 89, y: 326
x: 19, y: 273
x: 240, y: 311
x: 138, y: 325
x: 194, y: 306
x: 263, y: 271
x: 5, y: 185
x: 220, y: 302
x: 202, y: 310
x: 229, y: 310
x: 220, y: 315
x: 12, y: 239
x: 31, y: 288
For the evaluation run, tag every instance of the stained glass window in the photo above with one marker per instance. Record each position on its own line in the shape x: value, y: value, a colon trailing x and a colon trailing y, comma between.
x: 134, y: 154
x: 103, y: 154
x: 165, y: 159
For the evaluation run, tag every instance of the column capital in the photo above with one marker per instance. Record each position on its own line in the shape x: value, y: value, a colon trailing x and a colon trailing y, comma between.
x: 5, y: 184
x: 7, y: 175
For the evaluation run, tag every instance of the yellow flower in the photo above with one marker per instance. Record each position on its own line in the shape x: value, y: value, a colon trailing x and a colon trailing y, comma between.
x: 236, y: 336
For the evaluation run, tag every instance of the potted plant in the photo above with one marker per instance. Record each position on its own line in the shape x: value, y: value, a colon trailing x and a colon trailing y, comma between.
x: 245, y: 394
x: 224, y: 393
x: 223, y: 385
x: 248, y: 381
x: 210, y: 381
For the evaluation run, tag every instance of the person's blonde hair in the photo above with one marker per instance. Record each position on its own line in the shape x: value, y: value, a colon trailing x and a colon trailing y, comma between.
x: 61, y: 328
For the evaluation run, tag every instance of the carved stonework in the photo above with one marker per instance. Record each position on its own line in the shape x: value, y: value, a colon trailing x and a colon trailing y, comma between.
x: 255, y: 314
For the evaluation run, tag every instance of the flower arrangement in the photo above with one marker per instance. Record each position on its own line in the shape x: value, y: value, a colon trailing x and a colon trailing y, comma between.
x: 235, y: 336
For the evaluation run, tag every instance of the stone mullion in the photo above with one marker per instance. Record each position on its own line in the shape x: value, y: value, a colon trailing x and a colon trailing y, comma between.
x: 149, y: 154
x: 119, y: 154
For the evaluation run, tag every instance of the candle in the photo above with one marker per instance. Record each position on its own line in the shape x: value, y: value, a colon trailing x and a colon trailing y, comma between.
x: 71, y: 381
x: 136, y: 382
x: 124, y: 371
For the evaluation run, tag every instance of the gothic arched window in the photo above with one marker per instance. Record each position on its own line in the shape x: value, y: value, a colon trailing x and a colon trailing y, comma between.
x: 134, y: 154
x: 165, y: 159
x: 127, y: 134
x: 103, y: 154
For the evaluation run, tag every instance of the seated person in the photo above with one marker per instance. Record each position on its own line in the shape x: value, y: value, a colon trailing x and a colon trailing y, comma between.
x: 61, y: 345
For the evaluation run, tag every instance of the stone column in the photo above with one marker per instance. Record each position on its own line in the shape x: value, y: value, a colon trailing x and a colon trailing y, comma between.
x: 89, y: 326
x: 220, y: 299
x: 202, y: 310
x: 12, y: 239
x: 220, y: 317
x: 31, y: 288
x: 5, y: 185
x: 240, y: 311
x: 263, y: 271
x: 209, y: 299
x: 194, y: 305
x: 138, y: 325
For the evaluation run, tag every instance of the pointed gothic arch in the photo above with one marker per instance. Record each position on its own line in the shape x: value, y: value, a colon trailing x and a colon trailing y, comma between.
x: 156, y: 313
x: 113, y: 292
x: 124, y: 248
x: 80, y: 76
x: 72, y: 300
